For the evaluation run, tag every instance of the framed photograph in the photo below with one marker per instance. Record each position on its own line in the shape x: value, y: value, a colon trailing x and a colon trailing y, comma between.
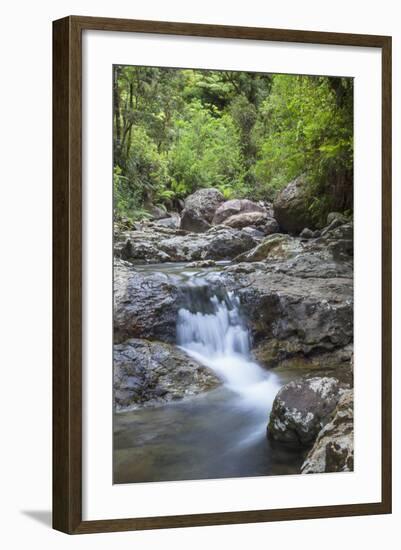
x: 222, y: 274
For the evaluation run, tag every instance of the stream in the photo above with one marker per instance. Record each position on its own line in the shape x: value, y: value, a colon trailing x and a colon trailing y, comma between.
x: 217, y: 434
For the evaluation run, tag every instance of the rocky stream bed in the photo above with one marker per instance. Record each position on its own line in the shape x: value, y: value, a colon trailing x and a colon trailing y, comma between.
x: 233, y: 343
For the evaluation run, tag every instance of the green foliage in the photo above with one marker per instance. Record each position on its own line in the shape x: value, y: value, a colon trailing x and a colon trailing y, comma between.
x: 145, y: 177
x: 209, y: 87
x: 304, y: 131
x: 126, y: 203
x: 247, y: 134
x: 206, y: 152
x: 146, y: 167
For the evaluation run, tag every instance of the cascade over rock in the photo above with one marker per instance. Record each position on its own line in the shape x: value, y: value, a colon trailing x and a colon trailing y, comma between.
x: 210, y: 329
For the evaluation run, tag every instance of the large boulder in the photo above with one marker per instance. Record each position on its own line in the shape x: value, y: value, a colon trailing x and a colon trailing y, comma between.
x: 151, y: 373
x: 245, y: 219
x: 227, y: 243
x: 199, y: 209
x: 292, y: 207
x: 145, y: 304
x: 333, y: 450
x: 239, y: 206
x: 300, y: 410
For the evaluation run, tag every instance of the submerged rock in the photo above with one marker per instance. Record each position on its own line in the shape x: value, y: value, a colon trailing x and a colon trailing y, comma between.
x: 333, y: 450
x: 301, y: 408
x: 151, y: 373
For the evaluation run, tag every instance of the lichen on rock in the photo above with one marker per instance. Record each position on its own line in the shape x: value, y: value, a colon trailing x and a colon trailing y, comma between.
x: 333, y: 450
x: 301, y: 408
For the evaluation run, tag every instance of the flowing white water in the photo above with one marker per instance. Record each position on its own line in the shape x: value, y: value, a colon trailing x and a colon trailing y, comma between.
x: 221, y: 433
x: 218, y: 338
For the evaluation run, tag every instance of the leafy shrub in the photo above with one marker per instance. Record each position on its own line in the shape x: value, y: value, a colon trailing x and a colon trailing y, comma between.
x: 206, y: 151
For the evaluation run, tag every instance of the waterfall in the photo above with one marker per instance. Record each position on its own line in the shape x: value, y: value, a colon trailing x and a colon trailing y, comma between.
x: 211, y: 329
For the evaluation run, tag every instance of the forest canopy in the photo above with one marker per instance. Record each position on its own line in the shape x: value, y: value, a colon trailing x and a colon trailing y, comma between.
x: 246, y: 134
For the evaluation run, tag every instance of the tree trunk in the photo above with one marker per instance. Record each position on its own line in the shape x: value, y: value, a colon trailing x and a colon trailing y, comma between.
x: 117, y: 116
x: 130, y: 106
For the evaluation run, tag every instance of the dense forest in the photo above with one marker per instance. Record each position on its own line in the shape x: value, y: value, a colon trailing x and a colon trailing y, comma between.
x: 246, y: 134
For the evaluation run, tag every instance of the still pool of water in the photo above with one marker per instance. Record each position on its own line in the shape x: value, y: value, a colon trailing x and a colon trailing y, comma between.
x: 213, y: 435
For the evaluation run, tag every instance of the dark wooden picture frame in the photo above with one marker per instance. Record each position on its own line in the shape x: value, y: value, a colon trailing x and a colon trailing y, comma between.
x: 67, y: 274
